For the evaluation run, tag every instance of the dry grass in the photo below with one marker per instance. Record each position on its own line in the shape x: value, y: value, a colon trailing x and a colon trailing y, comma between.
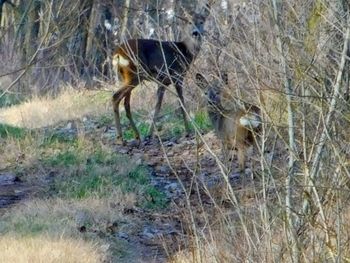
x: 223, y: 249
x: 24, y: 152
x: 71, y: 104
x: 45, y: 249
x: 49, y: 230
x: 44, y: 111
x: 58, y: 217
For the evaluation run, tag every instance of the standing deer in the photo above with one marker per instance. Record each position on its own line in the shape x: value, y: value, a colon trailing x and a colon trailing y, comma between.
x: 164, y: 62
x: 233, y: 127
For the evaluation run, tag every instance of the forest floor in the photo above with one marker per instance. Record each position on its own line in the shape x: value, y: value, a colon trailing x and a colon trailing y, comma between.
x: 69, y: 180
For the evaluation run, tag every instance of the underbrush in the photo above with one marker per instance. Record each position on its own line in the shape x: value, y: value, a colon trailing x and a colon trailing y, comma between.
x: 83, y: 187
x: 90, y: 187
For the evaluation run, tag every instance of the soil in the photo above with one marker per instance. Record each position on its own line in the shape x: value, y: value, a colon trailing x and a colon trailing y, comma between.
x: 12, y: 190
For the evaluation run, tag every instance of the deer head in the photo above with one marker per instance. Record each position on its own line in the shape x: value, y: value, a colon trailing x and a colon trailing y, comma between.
x: 213, y: 90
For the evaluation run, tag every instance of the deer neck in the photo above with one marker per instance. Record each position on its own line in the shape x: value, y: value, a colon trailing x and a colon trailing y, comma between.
x: 192, y: 45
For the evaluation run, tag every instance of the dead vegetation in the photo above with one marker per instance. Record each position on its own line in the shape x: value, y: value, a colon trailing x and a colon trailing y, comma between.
x: 174, y: 197
x: 44, y: 249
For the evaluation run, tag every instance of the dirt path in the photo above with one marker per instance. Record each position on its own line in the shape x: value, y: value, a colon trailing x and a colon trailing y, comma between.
x: 179, y: 168
x: 12, y: 190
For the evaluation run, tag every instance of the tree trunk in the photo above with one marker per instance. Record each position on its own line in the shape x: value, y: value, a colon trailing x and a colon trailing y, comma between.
x: 82, y: 34
x: 124, y: 19
x: 32, y: 29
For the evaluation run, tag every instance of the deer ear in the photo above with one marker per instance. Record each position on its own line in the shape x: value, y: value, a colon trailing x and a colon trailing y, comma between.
x: 201, y: 81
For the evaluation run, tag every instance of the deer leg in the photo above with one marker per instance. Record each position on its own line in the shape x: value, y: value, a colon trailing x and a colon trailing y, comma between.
x: 160, y: 95
x: 241, y: 157
x: 182, y: 105
x: 225, y: 153
x: 116, y: 99
x: 129, y: 116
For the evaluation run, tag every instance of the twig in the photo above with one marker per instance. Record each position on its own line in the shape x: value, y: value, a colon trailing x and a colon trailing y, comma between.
x: 291, y: 233
x: 314, y: 172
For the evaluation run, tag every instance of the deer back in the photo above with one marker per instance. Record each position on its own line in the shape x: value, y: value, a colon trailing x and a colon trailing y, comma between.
x: 165, y: 61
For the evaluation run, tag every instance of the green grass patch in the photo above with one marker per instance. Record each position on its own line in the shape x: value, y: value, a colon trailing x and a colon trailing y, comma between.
x: 65, y: 159
x: 202, y: 121
x: 31, y: 225
x: 171, y: 125
x: 54, y: 138
x: 8, y: 100
x: 8, y: 131
x: 138, y: 181
x: 97, y: 173
x: 174, y: 126
x: 105, y: 120
x: 155, y: 199
x: 142, y: 127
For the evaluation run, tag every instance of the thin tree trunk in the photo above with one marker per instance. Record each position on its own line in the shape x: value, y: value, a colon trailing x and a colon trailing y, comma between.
x: 291, y: 229
x: 83, y: 33
x: 125, y: 19
x: 314, y: 172
x: 32, y: 29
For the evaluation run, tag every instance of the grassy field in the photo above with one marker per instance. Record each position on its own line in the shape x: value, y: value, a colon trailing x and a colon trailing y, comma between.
x: 83, y: 186
x: 93, y: 198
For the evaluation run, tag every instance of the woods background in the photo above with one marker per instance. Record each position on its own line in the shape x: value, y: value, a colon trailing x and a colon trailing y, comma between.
x: 289, y: 57
x: 50, y: 42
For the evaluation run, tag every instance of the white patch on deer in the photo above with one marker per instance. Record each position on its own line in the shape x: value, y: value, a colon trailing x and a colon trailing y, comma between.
x: 250, y: 121
x: 119, y: 60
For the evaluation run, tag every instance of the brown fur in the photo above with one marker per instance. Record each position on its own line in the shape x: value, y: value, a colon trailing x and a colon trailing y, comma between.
x: 161, y: 61
x: 228, y: 122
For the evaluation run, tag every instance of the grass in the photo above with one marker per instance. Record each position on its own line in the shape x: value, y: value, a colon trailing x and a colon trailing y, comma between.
x: 8, y: 99
x: 85, y: 168
x: 89, y: 178
x: 46, y: 249
x: 143, y: 128
x: 98, y: 172
x: 55, y: 220
x: 11, y: 131
x: 104, y: 120
x: 92, y: 185
x: 201, y: 120
x: 172, y: 125
x: 45, y: 111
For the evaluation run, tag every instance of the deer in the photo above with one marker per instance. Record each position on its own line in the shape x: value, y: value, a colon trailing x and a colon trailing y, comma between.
x: 164, y: 62
x: 233, y: 127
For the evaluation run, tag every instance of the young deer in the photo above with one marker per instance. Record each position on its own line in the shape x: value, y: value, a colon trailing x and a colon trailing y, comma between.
x: 233, y: 127
x: 164, y: 62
